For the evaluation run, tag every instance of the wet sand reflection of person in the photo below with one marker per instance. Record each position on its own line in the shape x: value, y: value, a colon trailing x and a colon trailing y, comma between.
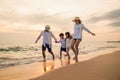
x: 48, y: 66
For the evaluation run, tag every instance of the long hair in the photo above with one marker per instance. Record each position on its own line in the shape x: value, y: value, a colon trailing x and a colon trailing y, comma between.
x: 69, y: 36
x: 80, y: 21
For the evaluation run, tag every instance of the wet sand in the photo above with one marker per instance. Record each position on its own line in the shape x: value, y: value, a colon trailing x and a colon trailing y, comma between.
x: 28, y: 71
x: 105, y: 67
x: 56, y: 70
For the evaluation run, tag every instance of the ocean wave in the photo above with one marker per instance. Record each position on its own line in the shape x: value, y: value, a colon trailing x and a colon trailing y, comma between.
x: 30, y: 51
x: 6, y: 62
x: 113, y: 41
x: 19, y: 48
x: 97, y: 49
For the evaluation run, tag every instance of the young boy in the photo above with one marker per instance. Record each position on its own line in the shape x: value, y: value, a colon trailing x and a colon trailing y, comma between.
x: 63, y: 44
x: 47, y: 41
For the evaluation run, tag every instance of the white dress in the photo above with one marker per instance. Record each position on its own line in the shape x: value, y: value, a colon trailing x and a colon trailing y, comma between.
x: 68, y: 43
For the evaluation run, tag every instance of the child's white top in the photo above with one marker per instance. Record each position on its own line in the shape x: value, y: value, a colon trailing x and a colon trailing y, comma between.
x: 63, y: 44
x: 78, y: 28
x: 68, y: 43
x: 47, y: 37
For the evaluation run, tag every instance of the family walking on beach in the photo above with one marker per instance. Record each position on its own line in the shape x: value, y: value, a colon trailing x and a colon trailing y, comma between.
x: 68, y: 42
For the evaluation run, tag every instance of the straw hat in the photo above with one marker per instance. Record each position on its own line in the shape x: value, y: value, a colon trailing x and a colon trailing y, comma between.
x: 47, y: 27
x: 76, y: 19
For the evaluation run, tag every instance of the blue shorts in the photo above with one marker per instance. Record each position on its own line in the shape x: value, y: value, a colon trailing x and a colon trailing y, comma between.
x: 46, y: 46
x: 78, y: 39
x: 63, y: 49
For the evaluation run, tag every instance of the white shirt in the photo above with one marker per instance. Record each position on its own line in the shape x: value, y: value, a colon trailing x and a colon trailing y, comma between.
x: 78, y: 31
x: 47, y: 37
x: 63, y: 44
x: 68, y: 43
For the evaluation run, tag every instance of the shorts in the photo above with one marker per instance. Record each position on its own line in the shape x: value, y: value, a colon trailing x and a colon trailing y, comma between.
x: 63, y: 49
x: 46, y: 46
x: 77, y: 39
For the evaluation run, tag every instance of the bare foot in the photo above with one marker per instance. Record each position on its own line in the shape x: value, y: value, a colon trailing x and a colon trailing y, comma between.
x: 65, y: 55
x: 75, y: 58
x: 44, y: 60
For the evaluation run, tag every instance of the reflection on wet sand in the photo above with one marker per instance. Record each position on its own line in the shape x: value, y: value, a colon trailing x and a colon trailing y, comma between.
x: 50, y: 65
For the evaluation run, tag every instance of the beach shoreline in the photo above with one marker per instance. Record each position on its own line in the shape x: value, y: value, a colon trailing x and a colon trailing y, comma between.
x: 104, y: 67
x: 38, y: 69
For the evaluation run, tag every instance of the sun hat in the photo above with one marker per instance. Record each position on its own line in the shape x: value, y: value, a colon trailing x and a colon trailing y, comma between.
x: 76, y: 19
x: 47, y: 27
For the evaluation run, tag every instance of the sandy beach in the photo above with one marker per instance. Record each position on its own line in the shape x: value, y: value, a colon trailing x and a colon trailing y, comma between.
x: 105, y: 67
x: 29, y: 71
x: 101, y: 65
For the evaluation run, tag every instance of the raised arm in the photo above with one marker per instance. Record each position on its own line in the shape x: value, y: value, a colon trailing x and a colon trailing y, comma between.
x: 54, y: 37
x: 86, y: 29
x: 38, y: 37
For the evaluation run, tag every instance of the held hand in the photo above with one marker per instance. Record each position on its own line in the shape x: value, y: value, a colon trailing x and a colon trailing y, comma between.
x: 56, y: 42
x: 93, y: 34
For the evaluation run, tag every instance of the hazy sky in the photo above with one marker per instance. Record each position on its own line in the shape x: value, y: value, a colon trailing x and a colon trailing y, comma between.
x: 28, y: 16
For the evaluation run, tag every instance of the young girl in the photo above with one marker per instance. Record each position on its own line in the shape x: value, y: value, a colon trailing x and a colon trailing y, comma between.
x: 68, y: 43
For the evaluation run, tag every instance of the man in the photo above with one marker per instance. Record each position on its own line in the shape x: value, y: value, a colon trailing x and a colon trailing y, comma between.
x: 47, y: 41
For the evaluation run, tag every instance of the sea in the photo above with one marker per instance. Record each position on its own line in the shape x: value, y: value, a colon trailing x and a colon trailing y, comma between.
x: 19, y: 54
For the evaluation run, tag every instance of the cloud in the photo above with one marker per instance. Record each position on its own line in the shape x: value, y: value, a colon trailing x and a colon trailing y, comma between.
x: 116, y: 24
x: 12, y: 17
x: 112, y: 15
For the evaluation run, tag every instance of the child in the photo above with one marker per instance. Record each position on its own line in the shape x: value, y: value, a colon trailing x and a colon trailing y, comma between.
x: 68, y: 43
x: 63, y: 44
x: 47, y: 41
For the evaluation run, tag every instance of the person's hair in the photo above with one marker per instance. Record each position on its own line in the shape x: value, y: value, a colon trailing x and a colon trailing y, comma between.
x: 61, y: 34
x: 80, y: 21
x: 68, y: 33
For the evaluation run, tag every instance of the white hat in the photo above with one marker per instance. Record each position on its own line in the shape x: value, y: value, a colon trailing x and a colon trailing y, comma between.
x: 47, y: 27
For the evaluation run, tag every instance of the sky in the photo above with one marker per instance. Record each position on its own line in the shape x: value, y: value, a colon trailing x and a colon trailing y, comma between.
x: 25, y: 18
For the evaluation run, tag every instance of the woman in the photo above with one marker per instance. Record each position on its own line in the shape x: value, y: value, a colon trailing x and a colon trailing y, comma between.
x: 77, y: 36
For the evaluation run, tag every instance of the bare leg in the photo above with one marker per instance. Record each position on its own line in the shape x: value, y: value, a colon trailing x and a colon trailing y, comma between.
x: 61, y: 62
x: 60, y: 54
x: 44, y: 56
x: 76, y: 46
x: 68, y: 53
x: 68, y: 61
x: 52, y: 55
x: 44, y: 64
x: 77, y: 50
x: 72, y: 46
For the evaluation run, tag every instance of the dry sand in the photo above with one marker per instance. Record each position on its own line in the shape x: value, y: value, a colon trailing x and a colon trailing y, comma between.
x: 105, y: 67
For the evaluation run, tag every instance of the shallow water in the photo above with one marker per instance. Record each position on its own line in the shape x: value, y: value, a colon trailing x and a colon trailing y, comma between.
x: 11, y: 55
